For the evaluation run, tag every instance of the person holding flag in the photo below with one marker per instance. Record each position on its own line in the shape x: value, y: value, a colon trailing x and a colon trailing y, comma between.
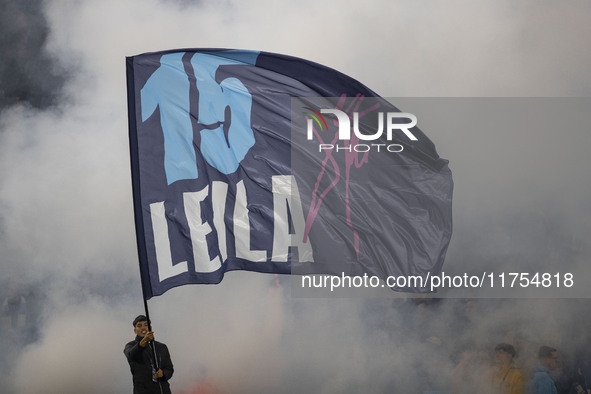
x: 149, y: 361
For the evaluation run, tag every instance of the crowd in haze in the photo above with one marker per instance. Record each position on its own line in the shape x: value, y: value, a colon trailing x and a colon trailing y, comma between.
x: 490, y: 345
x: 448, y: 345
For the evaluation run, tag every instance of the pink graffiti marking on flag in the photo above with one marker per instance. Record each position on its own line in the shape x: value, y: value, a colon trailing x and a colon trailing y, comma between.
x: 352, y: 158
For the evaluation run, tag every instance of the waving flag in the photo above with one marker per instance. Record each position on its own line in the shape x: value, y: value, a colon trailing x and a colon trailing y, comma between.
x: 246, y: 160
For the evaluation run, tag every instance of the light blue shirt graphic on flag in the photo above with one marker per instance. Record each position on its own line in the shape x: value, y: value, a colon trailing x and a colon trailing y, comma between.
x: 224, y: 116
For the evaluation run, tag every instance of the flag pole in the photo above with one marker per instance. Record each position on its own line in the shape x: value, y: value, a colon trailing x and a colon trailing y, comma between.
x: 133, y: 154
x: 151, y: 344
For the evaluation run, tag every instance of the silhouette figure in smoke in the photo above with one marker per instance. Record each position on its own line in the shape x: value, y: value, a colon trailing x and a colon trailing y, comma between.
x: 15, y: 307
x: 149, y: 377
x: 542, y: 382
x: 506, y: 377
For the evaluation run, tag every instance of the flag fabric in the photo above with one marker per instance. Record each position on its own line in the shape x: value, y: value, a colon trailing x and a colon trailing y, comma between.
x: 245, y: 160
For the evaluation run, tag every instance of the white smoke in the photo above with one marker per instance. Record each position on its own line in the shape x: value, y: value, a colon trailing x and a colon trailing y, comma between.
x: 66, y: 220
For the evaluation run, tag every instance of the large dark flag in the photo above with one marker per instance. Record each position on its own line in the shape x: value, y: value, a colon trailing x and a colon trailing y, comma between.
x: 246, y: 160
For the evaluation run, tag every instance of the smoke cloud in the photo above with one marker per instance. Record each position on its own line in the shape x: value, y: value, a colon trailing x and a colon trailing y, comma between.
x: 29, y: 73
x: 70, y: 282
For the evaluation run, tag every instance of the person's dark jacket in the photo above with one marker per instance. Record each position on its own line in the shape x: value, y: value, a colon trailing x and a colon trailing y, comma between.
x: 141, y: 360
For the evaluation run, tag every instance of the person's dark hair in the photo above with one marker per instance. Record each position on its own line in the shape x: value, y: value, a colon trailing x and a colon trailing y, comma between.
x: 545, y: 351
x: 506, y: 347
x: 139, y: 319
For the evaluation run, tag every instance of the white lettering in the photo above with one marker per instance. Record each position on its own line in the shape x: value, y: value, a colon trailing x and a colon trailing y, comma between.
x: 286, y: 197
x: 219, y: 192
x: 198, y: 230
x: 344, y: 122
x: 397, y: 148
x: 378, y: 145
x: 310, y: 135
x: 162, y: 244
x: 242, y: 228
x: 368, y: 137
x: 286, y: 205
x: 361, y: 148
x: 399, y: 126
